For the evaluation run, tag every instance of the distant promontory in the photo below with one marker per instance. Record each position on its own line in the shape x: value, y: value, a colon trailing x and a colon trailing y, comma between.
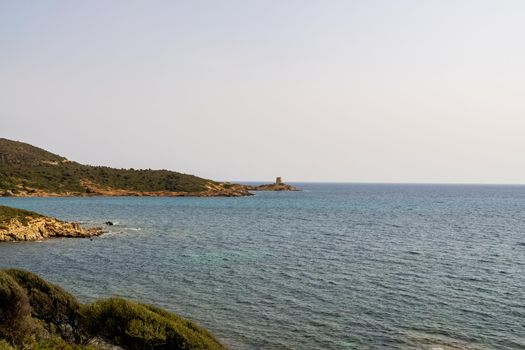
x: 29, y: 171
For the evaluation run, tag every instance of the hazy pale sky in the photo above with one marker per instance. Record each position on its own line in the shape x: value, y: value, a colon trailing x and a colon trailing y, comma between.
x: 357, y: 91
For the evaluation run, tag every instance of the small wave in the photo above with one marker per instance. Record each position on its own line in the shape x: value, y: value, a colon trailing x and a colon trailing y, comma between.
x: 395, y: 225
x: 412, y: 252
x: 436, y: 341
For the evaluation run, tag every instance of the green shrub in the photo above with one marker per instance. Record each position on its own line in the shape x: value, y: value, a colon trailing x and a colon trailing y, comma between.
x: 8, y: 213
x: 138, y: 326
x: 5, y: 345
x: 15, y: 313
x: 56, y: 343
x: 37, y: 315
x: 49, y: 302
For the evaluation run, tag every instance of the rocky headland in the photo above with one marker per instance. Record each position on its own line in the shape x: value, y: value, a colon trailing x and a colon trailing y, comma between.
x: 29, y: 171
x: 24, y: 225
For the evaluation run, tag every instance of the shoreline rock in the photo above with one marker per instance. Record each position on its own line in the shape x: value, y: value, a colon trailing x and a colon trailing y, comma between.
x: 278, y: 185
x: 273, y: 187
x: 29, y: 226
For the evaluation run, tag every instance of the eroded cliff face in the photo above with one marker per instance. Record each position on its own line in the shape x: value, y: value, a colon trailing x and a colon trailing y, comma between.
x: 39, y: 228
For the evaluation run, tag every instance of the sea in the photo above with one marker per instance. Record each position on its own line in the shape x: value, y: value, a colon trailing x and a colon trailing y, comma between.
x: 333, y: 266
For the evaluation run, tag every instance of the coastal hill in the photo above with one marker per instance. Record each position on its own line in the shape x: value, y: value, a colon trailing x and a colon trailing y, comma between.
x: 24, y: 225
x: 29, y: 171
x: 38, y: 315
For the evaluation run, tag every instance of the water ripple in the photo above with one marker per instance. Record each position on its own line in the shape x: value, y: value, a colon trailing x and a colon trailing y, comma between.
x: 332, y: 267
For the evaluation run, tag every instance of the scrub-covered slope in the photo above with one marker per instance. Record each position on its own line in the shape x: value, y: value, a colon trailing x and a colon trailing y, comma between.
x: 26, y: 170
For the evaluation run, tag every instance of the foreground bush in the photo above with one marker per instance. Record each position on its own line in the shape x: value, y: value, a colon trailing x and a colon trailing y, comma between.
x: 5, y: 345
x: 138, y: 326
x: 37, y: 315
x: 15, y: 312
x: 49, y: 303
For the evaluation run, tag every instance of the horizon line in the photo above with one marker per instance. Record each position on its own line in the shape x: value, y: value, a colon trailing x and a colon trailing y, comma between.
x: 384, y: 183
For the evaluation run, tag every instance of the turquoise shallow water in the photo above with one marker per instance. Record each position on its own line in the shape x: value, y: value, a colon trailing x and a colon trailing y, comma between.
x: 335, y: 266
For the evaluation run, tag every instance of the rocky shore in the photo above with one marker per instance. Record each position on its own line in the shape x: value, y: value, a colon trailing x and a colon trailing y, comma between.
x: 23, y: 225
x: 278, y: 185
x: 273, y: 187
x: 94, y: 190
x: 211, y: 190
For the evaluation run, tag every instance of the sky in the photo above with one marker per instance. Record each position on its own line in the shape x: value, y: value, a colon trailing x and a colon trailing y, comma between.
x: 337, y: 91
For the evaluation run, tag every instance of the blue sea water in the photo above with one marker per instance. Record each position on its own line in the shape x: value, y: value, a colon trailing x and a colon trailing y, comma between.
x: 335, y: 266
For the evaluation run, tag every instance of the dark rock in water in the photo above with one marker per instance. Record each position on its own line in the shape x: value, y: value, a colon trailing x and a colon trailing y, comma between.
x: 109, y: 223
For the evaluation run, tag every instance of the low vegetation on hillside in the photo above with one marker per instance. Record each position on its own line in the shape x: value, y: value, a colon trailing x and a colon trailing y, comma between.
x: 28, y: 169
x: 7, y: 214
x: 37, y: 315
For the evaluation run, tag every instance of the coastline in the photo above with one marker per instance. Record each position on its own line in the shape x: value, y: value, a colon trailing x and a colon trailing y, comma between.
x: 212, y: 190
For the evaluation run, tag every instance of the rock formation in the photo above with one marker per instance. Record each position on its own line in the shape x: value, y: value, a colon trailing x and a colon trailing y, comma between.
x: 22, y: 225
x: 279, y: 185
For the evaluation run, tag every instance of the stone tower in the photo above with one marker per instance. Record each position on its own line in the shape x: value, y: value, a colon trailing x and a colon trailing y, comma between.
x: 278, y: 180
